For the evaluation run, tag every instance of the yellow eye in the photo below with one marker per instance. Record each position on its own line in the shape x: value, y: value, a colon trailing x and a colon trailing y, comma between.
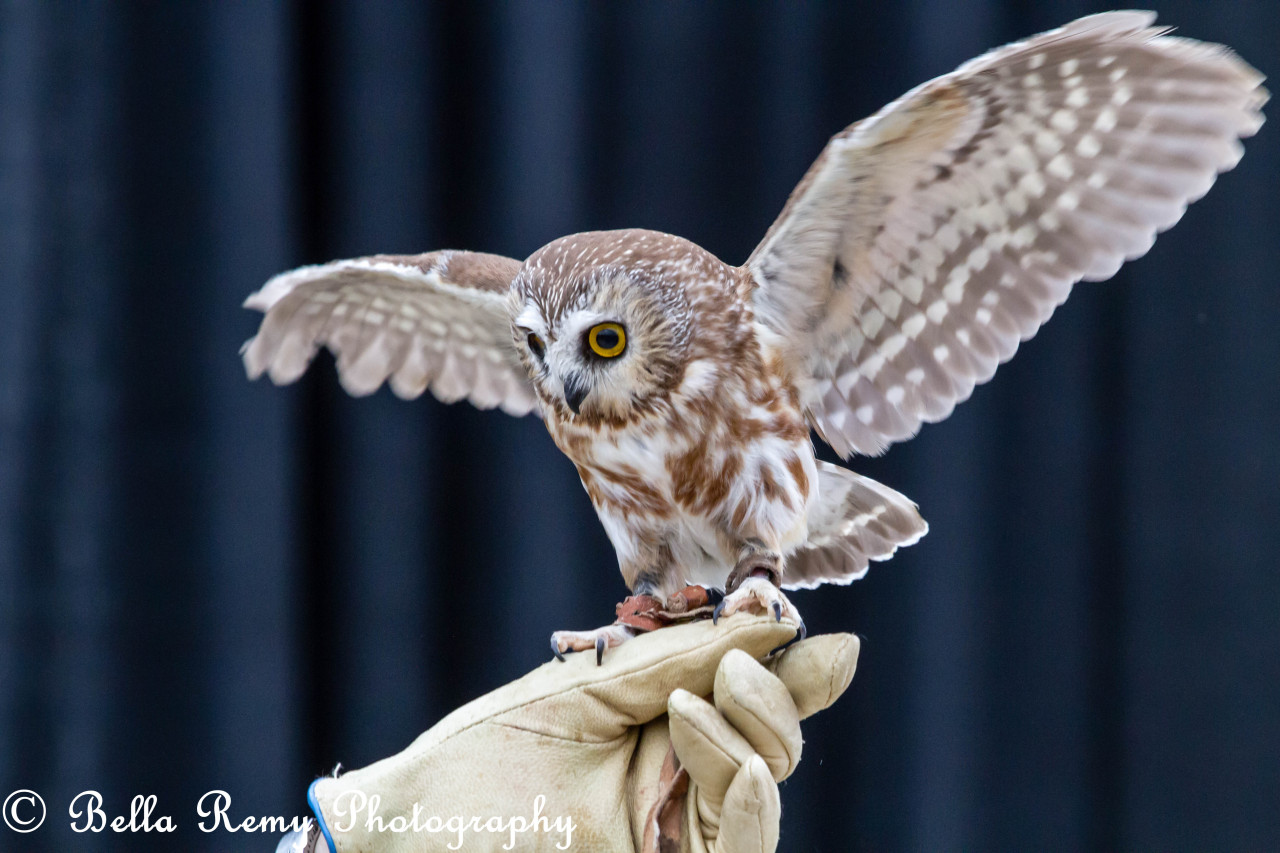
x: 607, y: 340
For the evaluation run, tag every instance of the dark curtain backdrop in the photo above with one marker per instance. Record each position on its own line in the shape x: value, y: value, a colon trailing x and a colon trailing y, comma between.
x: 211, y: 583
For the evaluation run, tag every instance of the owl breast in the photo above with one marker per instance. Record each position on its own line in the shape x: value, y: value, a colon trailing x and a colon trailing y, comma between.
x: 727, y: 459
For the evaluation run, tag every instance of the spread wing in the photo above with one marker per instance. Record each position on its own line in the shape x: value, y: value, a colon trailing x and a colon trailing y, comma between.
x: 929, y: 239
x: 437, y: 321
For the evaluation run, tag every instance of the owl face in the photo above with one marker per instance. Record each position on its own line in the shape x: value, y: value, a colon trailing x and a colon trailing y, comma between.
x: 602, y: 342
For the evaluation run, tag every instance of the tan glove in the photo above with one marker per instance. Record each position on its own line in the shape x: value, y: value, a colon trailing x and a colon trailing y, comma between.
x: 579, y: 756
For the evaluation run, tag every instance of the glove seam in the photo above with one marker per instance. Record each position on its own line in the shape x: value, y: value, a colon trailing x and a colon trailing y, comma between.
x: 833, y: 674
x: 563, y: 738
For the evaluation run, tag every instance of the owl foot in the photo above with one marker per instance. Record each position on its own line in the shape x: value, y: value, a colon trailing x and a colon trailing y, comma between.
x: 759, y: 594
x: 755, y: 561
x: 599, y: 639
x: 638, y: 614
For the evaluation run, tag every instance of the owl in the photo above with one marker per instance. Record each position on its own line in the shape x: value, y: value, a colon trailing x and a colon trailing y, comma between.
x: 923, y: 244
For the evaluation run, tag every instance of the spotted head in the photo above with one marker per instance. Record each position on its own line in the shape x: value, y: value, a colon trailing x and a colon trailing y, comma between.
x: 604, y: 323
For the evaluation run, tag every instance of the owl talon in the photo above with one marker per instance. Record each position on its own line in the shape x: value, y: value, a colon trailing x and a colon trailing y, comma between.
x: 719, y: 609
x: 758, y: 595
x: 580, y: 641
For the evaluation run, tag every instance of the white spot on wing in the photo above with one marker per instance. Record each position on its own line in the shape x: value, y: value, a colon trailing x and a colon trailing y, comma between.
x: 872, y: 321
x: 1048, y: 143
x: 1021, y: 158
x: 1060, y: 167
x: 914, y: 325
x: 871, y: 367
x: 1106, y: 120
x: 1088, y: 146
x: 948, y: 237
x: 912, y: 287
x: 1064, y: 120
x: 893, y: 345
x: 1032, y: 184
x: 890, y: 301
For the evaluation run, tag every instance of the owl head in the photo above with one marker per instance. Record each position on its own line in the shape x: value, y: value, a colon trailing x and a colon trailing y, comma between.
x: 602, y: 323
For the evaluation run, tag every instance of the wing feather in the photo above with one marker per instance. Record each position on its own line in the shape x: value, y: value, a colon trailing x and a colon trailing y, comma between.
x: 854, y: 520
x: 436, y: 321
x: 927, y: 241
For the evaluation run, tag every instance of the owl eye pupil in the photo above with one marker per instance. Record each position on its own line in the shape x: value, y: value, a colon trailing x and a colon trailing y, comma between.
x: 535, y: 344
x: 607, y: 339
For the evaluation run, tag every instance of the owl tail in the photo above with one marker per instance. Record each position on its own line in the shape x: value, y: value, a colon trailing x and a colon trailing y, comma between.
x: 853, y: 520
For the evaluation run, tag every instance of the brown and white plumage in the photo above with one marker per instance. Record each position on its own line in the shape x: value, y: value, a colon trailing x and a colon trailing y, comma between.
x: 932, y: 237
x: 923, y: 245
x: 436, y: 320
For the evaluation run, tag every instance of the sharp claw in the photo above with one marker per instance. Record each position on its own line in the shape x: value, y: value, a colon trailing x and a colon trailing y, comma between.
x: 715, y: 614
x: 777, y: 611
x: 599, y: 650
x: 555, y: 650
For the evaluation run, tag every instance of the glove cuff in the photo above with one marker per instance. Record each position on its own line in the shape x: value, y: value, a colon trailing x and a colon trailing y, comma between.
x: 324, y: 827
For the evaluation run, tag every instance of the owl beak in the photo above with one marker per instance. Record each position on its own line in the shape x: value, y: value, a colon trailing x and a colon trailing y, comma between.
x: 575, y: 391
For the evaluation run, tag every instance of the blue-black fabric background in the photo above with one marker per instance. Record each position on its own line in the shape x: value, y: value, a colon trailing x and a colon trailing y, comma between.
x: 211, y: 583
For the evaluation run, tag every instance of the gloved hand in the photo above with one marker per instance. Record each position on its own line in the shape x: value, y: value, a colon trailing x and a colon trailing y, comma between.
x: 620, y: 757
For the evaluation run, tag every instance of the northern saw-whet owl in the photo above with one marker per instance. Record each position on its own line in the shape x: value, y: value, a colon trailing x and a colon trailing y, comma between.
x: 924, y: 243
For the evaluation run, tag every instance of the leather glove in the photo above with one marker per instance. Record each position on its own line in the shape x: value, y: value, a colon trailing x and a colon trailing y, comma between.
x: 626, y: 756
